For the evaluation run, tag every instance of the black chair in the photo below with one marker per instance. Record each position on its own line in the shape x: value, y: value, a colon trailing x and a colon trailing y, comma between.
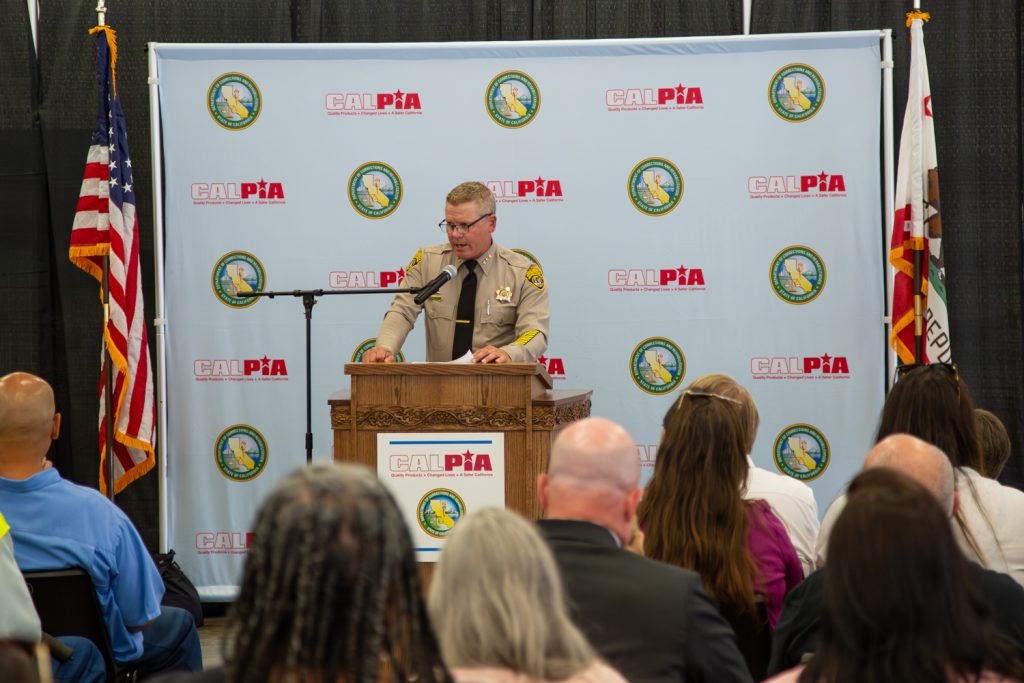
x: 68, y: 606
x: 754, y: 637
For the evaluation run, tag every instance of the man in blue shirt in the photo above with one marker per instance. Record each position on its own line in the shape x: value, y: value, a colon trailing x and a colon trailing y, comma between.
x: 57, y: 524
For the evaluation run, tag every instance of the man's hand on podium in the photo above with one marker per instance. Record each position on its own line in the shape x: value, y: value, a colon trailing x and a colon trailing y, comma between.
x: 378, y: 354
x: 491, y: 354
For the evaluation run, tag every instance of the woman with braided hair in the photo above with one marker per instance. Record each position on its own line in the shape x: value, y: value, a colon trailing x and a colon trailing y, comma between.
x: 331, y: 591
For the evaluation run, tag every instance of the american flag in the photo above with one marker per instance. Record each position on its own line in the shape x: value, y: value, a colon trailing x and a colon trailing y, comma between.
x: 106, y: 225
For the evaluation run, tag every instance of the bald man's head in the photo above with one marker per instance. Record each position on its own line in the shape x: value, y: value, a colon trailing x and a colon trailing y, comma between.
x: 593, y: 475
x: 918, y: 459
x: 28, y: 421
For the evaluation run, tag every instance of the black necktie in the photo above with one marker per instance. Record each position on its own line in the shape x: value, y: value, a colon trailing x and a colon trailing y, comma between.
x: 464, y: 315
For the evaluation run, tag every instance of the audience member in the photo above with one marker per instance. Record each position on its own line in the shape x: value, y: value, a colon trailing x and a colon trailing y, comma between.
x: 497, y: 600
x: 792, y: 501
x: 993, y: 442
x: 651, y: 621
x: 932, y: 403
x: 899, y: 603
x: 57, y: 524
x: 694, y: 515
x: 330, y: 591
x: 17, y: 664
x: 20, y: 623
x: 797, y: 632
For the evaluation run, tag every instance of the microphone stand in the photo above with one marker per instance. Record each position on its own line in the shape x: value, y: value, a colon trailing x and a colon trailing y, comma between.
x: 309, y: 297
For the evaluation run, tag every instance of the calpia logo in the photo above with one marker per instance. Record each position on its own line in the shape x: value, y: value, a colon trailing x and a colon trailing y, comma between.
x: 800, y: 368
x: 681, y: 279
x: 363, y: 279
x: 438, y: 463
x: 395, y: 103
x: 554, y: 366
x: 654, y: 99
x: 648, y: 456
x: 223, y: 542
x: 237, y: 193
x: 538, y: 189
x: 264, y: 369
x: 802, y: 452
x: 820, y: 185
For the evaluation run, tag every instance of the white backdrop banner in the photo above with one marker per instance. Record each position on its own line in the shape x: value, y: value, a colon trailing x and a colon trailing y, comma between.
x: 697, y: 205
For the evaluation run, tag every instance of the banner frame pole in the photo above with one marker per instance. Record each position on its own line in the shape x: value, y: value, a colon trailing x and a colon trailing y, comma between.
x: 888, y: 197
x: 159, y: 321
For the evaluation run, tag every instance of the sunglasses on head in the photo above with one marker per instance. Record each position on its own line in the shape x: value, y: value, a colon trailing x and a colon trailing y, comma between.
x: 905, y: 369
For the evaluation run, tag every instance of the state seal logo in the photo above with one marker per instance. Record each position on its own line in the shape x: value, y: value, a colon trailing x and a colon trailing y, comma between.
x: 238, y: 272
x: 234, y: 101
x: 375, y: 190
x: 357, y: 355
x: 241, y: 453
x: 802, y: 452
x: 655, y: 186
x: 439, y: 510
x: 657, y: 365
x: 796, y: 92
x: 512, y: 99
x: 797, y: 275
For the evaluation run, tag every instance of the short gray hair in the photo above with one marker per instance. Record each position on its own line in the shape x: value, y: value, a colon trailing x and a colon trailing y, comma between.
x: 496, y: 600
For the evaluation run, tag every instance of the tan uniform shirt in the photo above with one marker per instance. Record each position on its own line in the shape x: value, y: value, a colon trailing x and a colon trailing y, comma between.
x: 511, y: 310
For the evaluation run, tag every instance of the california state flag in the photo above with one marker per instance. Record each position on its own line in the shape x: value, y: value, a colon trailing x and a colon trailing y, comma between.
x: 917, y: 225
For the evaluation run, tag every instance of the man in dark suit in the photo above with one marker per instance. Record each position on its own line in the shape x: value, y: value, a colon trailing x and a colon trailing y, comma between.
x: 796, y: 634
x: 651, y: 621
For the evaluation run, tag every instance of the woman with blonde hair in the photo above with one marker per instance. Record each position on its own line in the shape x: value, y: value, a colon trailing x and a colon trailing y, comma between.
x: 498, y: 608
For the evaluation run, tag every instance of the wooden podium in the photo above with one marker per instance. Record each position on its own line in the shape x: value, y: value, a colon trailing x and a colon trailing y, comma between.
x: 514, y: 398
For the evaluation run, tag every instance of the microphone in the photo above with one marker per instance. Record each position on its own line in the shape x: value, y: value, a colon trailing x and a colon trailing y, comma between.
x: 431, y: 288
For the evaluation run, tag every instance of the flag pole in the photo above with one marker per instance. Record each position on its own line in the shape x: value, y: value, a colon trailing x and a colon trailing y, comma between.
x: 108, y: 375
x: 919, y: 302
x: 108, y: 384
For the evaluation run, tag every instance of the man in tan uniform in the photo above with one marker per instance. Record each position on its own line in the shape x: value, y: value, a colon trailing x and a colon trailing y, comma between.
x: 510, y: 312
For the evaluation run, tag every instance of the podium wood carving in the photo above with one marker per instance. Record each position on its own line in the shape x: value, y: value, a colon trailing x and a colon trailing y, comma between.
x: 514, y: 398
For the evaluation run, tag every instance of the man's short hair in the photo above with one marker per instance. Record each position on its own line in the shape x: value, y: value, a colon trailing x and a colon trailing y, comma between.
x: 994, y: 442
x: 472, y: 192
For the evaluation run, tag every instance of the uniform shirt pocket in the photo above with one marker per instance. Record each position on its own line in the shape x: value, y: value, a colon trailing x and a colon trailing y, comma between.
x: 439, y: 310
x: 503, y: 315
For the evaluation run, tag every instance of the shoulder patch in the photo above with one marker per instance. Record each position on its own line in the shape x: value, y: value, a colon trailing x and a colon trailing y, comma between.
x: 415, y: 261
x: 535, y: 276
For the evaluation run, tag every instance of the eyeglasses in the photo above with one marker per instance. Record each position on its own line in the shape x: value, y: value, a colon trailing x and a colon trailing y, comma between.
x: 460, y: 228
x: 708, y: 394
x: 906, y: 368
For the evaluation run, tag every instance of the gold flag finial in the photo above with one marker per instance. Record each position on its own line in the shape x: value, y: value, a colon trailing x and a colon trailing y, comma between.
x: 917, y: 14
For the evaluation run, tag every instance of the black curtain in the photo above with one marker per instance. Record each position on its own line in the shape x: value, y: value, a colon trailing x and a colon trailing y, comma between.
x: 51, y: 323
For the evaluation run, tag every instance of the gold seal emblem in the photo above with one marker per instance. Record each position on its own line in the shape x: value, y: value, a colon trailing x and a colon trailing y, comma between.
x: 415, y: 260
x: 503, y: 295
x: 535, y: 276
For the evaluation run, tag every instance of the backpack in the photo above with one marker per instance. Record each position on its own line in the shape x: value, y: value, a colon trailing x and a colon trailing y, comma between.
x: 179, y: 590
